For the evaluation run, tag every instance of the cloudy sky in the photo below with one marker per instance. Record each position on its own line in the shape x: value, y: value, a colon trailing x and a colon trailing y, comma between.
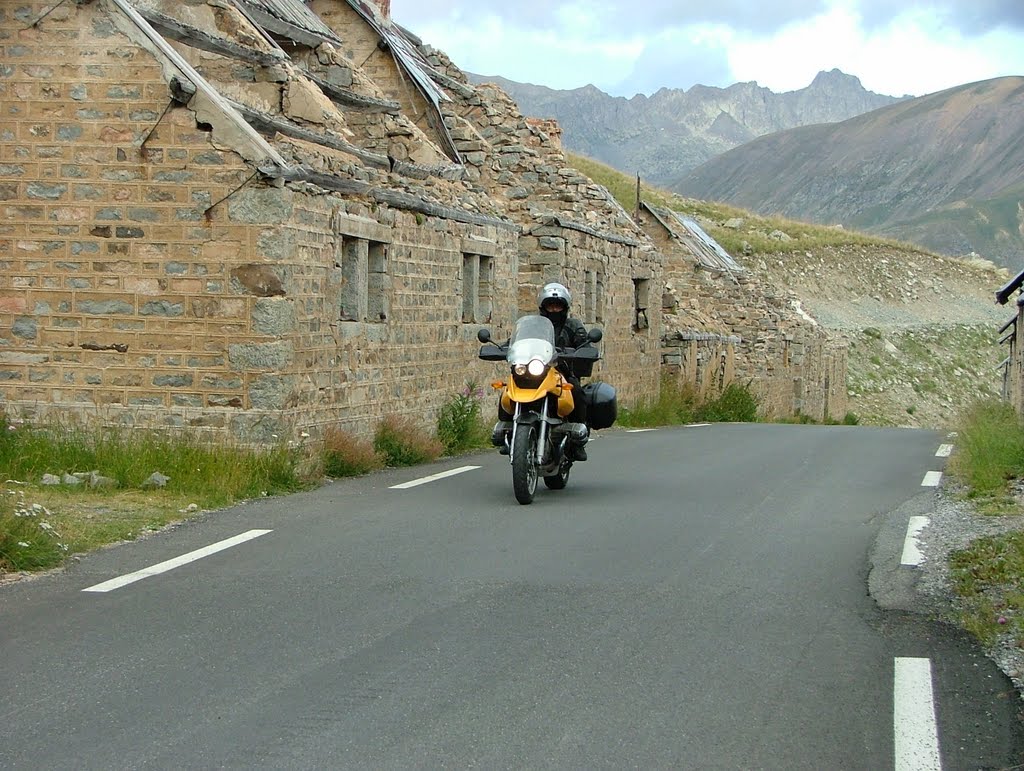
x: 624, y: 47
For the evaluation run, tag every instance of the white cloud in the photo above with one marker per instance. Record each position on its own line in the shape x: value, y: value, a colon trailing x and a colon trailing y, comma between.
x: 912, y: 47
x: 913, y: 53
x: 542, y: 57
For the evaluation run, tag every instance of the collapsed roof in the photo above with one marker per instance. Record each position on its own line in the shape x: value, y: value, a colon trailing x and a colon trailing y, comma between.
x: 343, y: 124
x: 685, y: 230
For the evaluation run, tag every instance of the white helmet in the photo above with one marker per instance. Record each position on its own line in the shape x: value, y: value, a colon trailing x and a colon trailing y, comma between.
x: 554, y: 291
x: 559, y: 294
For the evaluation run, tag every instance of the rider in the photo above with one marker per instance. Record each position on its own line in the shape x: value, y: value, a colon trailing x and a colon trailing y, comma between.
x: 553, y: 303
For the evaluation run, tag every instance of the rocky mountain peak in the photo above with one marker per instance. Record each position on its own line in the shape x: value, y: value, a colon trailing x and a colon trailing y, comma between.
x: 834, y: 79
x: 667, y: 134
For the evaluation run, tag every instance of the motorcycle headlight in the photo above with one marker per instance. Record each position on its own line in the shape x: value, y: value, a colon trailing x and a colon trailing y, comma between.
x: 535, y: 367
x: 519, y: 369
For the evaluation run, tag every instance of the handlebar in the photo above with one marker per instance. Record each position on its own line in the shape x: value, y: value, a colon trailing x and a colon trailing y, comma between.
x: 586, y: 352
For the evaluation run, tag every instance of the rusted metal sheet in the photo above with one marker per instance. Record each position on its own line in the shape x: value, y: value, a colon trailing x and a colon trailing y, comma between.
x: 710, y: 244
x: 707, y: 250
x: 415, y: 66
x: 294, y: 12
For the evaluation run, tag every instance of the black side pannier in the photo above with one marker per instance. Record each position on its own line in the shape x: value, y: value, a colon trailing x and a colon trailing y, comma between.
x: 602, y: 409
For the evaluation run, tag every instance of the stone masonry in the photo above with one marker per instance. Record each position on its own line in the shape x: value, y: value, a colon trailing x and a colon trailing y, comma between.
x: 263, y: 233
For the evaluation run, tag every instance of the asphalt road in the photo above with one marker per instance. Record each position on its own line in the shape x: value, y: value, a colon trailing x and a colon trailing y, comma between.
x: 696, y: 598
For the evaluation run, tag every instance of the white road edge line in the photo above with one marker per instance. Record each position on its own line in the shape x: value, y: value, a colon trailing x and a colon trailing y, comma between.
x: 915, y: 733
x: 177, y: 562
x: 639, y: 430
x: 433, y: 477
x: 944, y: 451
x: 931, y: 479
x: 911, y: 553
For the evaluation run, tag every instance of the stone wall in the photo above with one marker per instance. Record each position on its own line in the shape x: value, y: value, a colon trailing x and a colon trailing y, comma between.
x: 146, y: 278
x: 149, y: 275
x: 726, y: 326
x: 363, y: 48
x: 703, y: 361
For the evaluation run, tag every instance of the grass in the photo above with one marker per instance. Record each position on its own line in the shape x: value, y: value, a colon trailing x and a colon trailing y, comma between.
x: 401, y: 442
x: 989, y: 578
x: 680, y: 404
x: 749, y: 233
x: 988, y: 575
x: 41, y: 525
x: 990, y: 450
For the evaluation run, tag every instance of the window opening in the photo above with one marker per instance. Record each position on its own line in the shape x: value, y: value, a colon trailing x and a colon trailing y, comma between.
x: 641, y: 301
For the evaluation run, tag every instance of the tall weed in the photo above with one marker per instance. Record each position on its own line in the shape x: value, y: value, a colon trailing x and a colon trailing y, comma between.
x: 28, y: 540
x: 460, y: 421
x: 401, y: 442
x: 736, y: 404
x: 990, y: 448
x: 347, y: 455
x: 677, y: 404
x: 674, y: 404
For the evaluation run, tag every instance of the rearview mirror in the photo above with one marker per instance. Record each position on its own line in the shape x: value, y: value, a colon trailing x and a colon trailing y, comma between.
x: 483, y: 335
x: 595, y: 335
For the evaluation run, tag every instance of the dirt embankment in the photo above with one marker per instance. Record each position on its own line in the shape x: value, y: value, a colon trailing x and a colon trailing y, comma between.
x: 922, y: 329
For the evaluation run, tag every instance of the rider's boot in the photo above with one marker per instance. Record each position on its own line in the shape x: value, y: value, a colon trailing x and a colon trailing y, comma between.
x: 500, y: 434
x: 579, y: 435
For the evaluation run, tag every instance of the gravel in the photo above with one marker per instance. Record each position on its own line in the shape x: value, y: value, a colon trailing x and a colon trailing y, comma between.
x: 954, y: 525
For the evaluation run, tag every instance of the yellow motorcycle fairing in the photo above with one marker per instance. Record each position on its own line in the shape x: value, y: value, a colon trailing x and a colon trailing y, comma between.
x: 553, y: 383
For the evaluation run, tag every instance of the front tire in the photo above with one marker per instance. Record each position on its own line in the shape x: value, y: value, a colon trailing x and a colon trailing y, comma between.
x: 524, y: 469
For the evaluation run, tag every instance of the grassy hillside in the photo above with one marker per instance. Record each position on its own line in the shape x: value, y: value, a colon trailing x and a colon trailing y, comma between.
x: 953, y: 158
x: 921, y: 327
x: 756, y: 231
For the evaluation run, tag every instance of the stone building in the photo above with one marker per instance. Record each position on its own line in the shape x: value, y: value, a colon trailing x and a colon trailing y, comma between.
x: 1012, y: 336
x: 260, y: 218
x: 722, y: 325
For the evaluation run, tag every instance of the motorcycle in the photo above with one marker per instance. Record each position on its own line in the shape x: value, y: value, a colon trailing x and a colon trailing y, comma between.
x: 539, y: 399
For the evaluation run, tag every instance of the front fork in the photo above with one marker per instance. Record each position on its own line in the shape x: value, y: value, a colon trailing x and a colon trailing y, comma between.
x: 542, y: 431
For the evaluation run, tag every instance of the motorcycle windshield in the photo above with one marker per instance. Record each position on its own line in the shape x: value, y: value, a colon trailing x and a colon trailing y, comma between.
x: 533, y: 338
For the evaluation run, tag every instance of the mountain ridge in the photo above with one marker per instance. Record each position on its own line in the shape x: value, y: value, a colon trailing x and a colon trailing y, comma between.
x: 945, y: 170
x: 670, y: 132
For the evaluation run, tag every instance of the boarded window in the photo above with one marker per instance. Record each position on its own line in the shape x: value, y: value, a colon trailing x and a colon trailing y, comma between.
x: 593, y: 297
x: 477, y: 288
x: 641, y: 302
x: 365, y: 280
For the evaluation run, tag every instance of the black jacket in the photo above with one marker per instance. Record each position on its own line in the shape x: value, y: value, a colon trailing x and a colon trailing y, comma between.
x: 572, y: 334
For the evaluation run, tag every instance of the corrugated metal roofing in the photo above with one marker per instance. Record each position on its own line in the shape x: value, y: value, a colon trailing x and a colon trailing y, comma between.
x: 295, y: 12
x: 711, y: 244
x: 708, y: 251
x: 412, y: 62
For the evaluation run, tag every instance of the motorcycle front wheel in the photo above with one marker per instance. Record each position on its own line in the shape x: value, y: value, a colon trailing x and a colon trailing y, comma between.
x: 524, y: 469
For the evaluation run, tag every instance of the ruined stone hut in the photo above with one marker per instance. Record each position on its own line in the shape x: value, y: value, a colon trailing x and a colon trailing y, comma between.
x: 262, y: 218
x: 721, y: 324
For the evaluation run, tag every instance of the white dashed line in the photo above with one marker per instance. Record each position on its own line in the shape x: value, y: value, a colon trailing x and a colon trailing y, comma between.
x: 432, y: 478
x: 184, y: 559
x: 914, y: 730
x: 911, y: 553
x: 944, y: 451
x: 639, y: 430
x: 931, y: 479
